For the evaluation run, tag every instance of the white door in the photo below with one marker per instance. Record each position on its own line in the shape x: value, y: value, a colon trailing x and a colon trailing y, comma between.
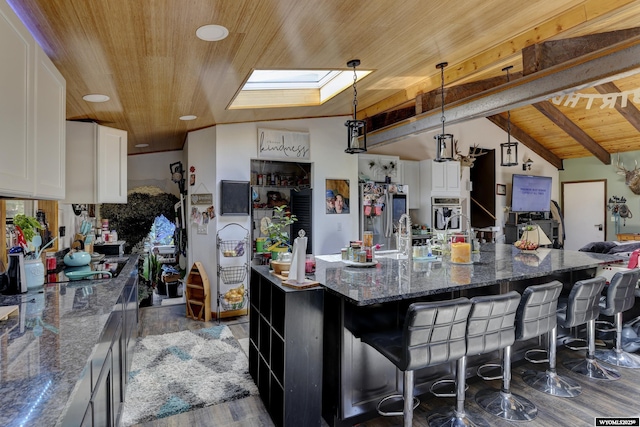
x: 584, y: 213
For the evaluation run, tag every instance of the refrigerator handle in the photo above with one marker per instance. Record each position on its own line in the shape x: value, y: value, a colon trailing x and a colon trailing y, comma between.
x: 388, y: 215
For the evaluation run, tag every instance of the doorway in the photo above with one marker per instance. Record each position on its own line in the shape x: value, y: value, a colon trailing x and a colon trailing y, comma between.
x: 483, y: 196
x: 584, y: 206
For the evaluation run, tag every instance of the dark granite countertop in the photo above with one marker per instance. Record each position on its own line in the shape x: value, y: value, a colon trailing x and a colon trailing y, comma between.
x: 44, y: 350
x: 394, y: 279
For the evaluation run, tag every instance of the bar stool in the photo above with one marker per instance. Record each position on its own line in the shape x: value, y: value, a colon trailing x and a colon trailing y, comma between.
x: 490, y: 327
x: 582, y: 307
x: 433, y: 333
x: 536, y: 315
x: 620, y: 297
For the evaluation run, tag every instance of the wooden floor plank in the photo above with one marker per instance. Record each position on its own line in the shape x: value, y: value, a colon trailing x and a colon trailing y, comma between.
x: 598, y: 398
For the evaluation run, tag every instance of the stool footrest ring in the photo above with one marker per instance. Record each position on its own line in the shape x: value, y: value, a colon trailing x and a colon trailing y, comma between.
x: 611, y: 326
x: 486, y: 367
x: 569, y: 344
x: 529, y: 355
x: 416, y: 403
x: 443, y: 383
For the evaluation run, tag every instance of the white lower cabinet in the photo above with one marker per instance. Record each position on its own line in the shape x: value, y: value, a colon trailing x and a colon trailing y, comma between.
x: 99, y: 158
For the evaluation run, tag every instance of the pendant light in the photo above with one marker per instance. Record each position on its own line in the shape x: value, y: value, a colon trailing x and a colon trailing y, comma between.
x: 354, y: 145
x: 509, y: 149
x: 444, y: 144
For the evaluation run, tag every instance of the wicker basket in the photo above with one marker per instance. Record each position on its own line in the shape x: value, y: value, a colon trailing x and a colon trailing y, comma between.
x: 235, y: 274
x: 232, y: 248
x: 226, y: 305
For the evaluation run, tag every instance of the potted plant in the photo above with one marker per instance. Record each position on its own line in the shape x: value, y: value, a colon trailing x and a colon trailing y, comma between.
x: 279, y: 239
x: 29, y: 227
x: 149, y: 273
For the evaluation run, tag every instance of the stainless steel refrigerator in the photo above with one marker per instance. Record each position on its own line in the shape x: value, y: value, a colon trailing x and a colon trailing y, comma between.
x: 381, y: 206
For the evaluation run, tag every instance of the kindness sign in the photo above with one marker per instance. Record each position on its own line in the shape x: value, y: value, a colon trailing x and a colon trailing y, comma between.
x: 283, y: 144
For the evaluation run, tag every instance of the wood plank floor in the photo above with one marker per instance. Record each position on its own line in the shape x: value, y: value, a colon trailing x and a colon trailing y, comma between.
x: 598, y: 398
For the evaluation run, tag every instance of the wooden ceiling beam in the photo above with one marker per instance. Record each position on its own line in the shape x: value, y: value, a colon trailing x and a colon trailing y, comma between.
x: 433, y: 100
x: 573, y: 130
x: 630, y: 112
x: 543, y: 55
x: 611, y: 63
x: 525, y: 139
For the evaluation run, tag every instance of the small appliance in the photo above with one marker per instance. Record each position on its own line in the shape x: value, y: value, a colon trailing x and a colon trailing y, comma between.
x: 446, y: 209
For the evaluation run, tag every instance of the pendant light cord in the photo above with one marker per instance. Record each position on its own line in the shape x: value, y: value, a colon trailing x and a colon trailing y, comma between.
x: 443, y: 118
x: 508, y: 113
x: 355, y: 92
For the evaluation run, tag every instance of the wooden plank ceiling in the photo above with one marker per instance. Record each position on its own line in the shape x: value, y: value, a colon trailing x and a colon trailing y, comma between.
x: 145, y: 56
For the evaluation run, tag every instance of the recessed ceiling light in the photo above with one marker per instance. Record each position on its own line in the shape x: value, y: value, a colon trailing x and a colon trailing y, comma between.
x: 96, y: 97
x: 141, y: 145
x: 189, y: 117
x: 212, y: 33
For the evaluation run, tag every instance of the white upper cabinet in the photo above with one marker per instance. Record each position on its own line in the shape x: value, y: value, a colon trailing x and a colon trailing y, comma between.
x: 445, y: 177
x: 50, y: 129
x: 98, y: 155
x: 32, y: 115
x: 112, y: 165
x: 16, y: 85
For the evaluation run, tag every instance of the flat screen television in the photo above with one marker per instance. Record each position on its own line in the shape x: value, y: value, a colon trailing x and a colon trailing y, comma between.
x: 530, y: 193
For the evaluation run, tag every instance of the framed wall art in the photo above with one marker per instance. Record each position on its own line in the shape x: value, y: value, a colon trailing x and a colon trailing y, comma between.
x: 337, y: 196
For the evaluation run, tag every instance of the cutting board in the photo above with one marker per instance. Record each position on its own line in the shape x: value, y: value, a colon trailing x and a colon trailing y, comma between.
x: 307, y: 283
x: 9, y: 311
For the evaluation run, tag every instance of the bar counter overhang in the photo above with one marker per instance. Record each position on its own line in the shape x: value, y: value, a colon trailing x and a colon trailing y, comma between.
x: 357, y: 300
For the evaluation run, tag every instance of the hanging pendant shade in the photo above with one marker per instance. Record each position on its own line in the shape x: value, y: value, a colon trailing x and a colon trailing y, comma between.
x: 444, y: 141
x: 355, y: 128
x: 509, y: 149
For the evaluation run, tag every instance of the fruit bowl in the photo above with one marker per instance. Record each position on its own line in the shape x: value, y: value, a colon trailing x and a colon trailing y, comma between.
x: 526, y: 246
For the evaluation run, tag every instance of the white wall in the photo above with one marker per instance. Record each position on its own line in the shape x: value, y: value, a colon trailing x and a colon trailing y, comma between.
x: 590, y: 168
x: 237, y: 144
x: 200, y: 150
x: 153, y: 170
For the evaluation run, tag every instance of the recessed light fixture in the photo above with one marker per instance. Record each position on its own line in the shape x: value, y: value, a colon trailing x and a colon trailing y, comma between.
x: 189, y: 117
x: 141, y: 145
x: 212, y: 33
x: 96, y: 97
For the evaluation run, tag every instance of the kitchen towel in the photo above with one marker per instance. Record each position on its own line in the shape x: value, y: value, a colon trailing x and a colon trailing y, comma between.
x: 296, y: 270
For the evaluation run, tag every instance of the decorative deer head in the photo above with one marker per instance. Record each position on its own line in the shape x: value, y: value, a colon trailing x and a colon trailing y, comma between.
x: 631, y: 178
x: 469, y: 159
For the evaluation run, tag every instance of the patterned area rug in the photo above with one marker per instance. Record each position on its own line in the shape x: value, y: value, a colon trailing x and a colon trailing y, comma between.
x: 182, y: 371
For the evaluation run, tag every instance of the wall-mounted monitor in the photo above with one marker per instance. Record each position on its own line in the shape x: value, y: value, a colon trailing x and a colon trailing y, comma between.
x: 235, y: 197
x: 530, y: 193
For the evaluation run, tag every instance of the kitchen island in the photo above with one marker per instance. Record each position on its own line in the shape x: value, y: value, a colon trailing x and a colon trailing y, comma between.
x: 358, y: 300
x: 50, y: 353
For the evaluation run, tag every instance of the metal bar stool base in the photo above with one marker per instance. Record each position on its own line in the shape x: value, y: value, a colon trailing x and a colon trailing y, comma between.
x: 508, y: 406
x: 398, y: 398
x: 621, y: 359
x: 592, y: 369
x: 552, y: 383
x: 468, y: 418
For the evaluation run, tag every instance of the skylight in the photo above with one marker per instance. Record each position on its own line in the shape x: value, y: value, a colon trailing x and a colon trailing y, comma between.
x: 292, y: 88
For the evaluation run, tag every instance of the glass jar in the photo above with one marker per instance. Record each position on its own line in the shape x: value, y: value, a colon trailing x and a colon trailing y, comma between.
x: 51, y: 261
